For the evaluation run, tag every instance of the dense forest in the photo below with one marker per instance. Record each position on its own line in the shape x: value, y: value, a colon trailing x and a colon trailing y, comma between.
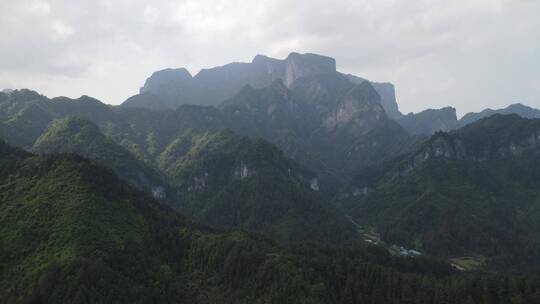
x: 471, y: 192
x: 73, y: 232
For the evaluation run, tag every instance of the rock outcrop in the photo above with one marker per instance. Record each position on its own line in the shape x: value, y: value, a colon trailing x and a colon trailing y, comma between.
x: 386, y: 91
x: 298, y: 65
x: 429, y: 121
x: 174, y: 87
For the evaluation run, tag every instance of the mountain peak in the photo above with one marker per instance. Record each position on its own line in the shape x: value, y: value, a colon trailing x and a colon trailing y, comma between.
x: 264, y: 59
x: 64, y: 128
x: 519, y: 107
x: 175, y: 87
x: 165, y: 78
x: 145, y: 100
x: 83, y: 137
x: 302, y: 65
x: 314, y: 58
x: 516, y: 108
x: 429, y: 121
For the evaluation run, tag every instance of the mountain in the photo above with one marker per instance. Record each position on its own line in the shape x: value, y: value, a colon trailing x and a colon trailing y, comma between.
x: 166, y: 154
x: 429, y: 121
x: 432, y: 120
x: 23, y: 119
x: 145, y: 100
x: 82, y: 137
x: 174, y: 87
x: 324, y: 122
x: 386, y: 91
x: 73, y: 232
x: 232, y: 181
x: 521, y: 110
x: 25, y: 114
x: 470, y: 192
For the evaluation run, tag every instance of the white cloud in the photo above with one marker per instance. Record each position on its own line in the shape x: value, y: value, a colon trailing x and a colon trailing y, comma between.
x: 151, y: 15
x: 38, y: 7
x: 60, y: 30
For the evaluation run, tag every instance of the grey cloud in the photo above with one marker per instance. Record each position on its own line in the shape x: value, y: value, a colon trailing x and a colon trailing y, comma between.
x: 467, y: 54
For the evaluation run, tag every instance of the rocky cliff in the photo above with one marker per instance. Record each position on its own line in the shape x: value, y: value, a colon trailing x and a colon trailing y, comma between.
x: 429, y: 121
x: 212, y: 86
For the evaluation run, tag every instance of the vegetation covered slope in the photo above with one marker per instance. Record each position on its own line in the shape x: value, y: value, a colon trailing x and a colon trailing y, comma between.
x: 82, y: 137
x: 25, y: 114
x: 470, y: 192
x: 223, y: 180
x: 72, y: 232
x: 287, y: 209
x: 323, y: 122
x: 233, y: 181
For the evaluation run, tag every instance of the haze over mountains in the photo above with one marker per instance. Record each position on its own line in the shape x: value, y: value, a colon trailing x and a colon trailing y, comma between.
x: 170, y: 88
x: 174, y: 87
x: 343, y: 199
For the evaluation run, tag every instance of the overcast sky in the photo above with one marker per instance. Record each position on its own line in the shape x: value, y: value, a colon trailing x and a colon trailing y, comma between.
x: 469, y: 54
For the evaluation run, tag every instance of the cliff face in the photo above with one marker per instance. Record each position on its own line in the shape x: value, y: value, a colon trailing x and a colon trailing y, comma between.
x: 386, y: 91
x: 429, y: 121
x: 432, y: 120
x: 497, y: 137
x: 325, y: 122
x: 361, y: 105
x: 166, y: 78
x: 211, y: 86
x: 175, y: 87
x: 298, y: 65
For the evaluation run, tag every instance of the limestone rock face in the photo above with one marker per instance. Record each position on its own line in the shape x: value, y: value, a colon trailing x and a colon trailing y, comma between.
x: 175, y: 87
x: 159, y: 193
x: 429, y: 121
x: 386, y: 91
x: 444, y: 147
x: 168, y: 85
x: 164, y: 78
x: 361, y: 105
x: 314, y: 184
x: 243, y: 171
x: 146, y: 100
x: 315, y: 115
x: 494, y: 138
x: 298, y: 65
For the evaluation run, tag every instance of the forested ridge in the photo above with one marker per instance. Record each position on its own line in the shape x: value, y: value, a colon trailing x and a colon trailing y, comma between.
x: 471, y: 192
x: 73, y: 232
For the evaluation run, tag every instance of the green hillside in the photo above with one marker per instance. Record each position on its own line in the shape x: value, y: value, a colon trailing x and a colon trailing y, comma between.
x: 78, y: 136
x: 233, y: 181
x: 72, y: 232
x: 467, y: 193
